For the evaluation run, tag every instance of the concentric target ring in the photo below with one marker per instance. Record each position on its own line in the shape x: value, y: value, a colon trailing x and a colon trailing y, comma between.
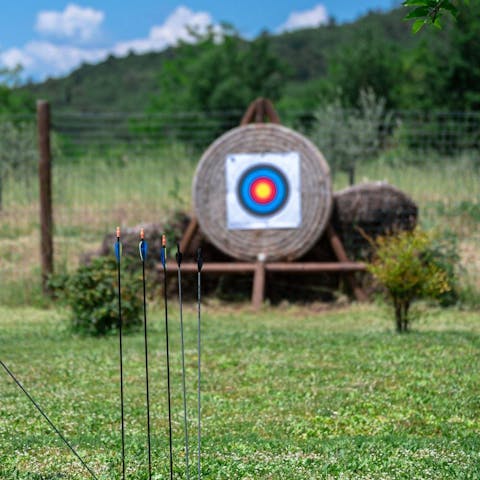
x: 263, y: 190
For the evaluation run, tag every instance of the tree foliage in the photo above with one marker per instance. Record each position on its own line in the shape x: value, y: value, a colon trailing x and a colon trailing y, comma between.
x: 367, y: 61
x: 12, y: 100
x: 218, y: 73
x: 426, y: 12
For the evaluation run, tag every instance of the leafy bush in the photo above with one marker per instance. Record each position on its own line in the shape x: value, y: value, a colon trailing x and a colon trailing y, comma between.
x: 408, y: 266
x: 92, y: 295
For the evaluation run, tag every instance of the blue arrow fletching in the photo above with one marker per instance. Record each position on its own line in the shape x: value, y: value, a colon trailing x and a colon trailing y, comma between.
x: 118, y: 250
x: 143, y: 249
x: 163, y: 258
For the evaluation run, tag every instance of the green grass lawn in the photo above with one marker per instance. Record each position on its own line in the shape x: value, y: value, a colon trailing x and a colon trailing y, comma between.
x: 289, y: 393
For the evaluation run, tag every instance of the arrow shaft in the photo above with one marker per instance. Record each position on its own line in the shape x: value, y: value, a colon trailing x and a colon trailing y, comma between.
x: 147, y: 388
x: 44, y: 415
x: 199, y: 345
x: 185, y: 415
x: 120, y: 345
x: 168, y: 372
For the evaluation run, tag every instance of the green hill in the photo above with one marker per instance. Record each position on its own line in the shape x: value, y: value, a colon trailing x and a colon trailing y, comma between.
x: 436, y: 69
x: 129, y: 83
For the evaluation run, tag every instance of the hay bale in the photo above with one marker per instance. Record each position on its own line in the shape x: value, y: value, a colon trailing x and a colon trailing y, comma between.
x: 369, y: 210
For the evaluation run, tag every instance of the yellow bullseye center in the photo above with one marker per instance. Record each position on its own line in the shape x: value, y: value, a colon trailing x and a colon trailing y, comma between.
x: 263, y: 190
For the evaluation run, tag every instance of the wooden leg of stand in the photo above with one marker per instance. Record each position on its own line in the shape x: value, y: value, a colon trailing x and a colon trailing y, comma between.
x: 188, y: 235
x: 341, y: 255
x: 258, y: 291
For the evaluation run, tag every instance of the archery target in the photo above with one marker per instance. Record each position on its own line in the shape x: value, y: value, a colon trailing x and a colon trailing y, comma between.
x: 263, y: 190
x: 267, y: 220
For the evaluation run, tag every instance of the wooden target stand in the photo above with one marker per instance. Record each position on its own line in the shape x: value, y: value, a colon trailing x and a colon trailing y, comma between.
x: 258, y: 111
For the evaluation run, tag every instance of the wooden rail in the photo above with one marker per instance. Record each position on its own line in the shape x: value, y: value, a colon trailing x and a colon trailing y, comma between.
x: 250, y: 267
x: 259, y: 270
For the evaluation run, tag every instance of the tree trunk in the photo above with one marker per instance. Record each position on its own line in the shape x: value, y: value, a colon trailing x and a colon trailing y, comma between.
x: 398, y: 315
x: 405, y: 319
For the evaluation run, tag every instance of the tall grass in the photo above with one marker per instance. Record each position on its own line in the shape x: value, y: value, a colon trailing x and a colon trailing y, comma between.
x: 93, y: 192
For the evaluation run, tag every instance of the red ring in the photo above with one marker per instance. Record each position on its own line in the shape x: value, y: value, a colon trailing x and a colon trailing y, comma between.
x: 270, y: 184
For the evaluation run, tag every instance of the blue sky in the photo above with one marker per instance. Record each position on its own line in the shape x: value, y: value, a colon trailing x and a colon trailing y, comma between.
x: 50, y: 38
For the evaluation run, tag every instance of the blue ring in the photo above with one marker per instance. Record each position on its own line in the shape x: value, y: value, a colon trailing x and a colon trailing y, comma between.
x: 274, y: 175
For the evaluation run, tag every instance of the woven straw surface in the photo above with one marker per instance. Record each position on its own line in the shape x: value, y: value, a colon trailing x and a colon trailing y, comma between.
x: 209, y: 194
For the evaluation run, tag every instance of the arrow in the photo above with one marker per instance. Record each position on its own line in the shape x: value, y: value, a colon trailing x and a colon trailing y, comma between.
x: 55, y: 429
x: 118, y: 255
x: 163, y: 259
x: 179, y: 257
x: 143, y: 250
x: 199, y: 344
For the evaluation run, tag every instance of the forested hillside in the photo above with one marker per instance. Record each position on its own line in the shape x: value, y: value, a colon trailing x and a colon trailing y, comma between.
x: 436, y: 69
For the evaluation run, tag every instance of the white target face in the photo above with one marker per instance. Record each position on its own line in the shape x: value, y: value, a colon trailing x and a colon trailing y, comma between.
x: 263, y: 190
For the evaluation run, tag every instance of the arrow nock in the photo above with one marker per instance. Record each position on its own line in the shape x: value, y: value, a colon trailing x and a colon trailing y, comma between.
x: 179, y: 255
x: 163, y: 252
x: 143, y: 246
x: 199, y: 259
x: 118, y: 246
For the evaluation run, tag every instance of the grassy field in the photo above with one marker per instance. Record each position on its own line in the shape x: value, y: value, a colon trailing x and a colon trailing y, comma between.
x: 289, y: 393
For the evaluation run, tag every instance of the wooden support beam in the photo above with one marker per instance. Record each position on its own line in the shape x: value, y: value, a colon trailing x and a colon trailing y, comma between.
x: 305, y: 267
x: 221, y: 267
x: 251, y: 267
x: 258, y: 290
x: 249, y: 115
x: 188, y: 235
x: 45, y: 180
x: 340, y: 253
x: 260, y: 111
x: 270, y: 112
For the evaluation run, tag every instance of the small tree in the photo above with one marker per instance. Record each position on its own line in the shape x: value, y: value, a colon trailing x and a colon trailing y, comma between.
x: 347, y: 136
x: 404, y: 266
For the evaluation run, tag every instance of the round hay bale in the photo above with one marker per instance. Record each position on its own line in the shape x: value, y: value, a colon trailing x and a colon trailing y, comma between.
x: 210, y: 188
x: 368, y: 210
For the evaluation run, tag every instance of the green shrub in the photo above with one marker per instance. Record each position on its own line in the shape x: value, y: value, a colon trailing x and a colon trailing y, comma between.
x: 92, y: 295
x: 405, y: 264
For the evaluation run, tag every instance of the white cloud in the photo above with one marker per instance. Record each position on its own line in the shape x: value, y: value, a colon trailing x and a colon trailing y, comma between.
x: 75, y: 22
x: 175, y: 28
x: 46, y: 58
x: 306, y: 19
x: 13, y: 57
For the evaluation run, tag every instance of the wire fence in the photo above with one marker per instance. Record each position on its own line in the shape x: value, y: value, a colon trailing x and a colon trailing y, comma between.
x: 129, y: 169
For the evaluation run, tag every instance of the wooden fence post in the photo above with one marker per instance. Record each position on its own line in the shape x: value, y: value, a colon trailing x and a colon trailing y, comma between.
x: 45, y: 178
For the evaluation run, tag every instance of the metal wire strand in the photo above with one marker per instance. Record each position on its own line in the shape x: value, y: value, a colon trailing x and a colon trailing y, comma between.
x: 55, y: 429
